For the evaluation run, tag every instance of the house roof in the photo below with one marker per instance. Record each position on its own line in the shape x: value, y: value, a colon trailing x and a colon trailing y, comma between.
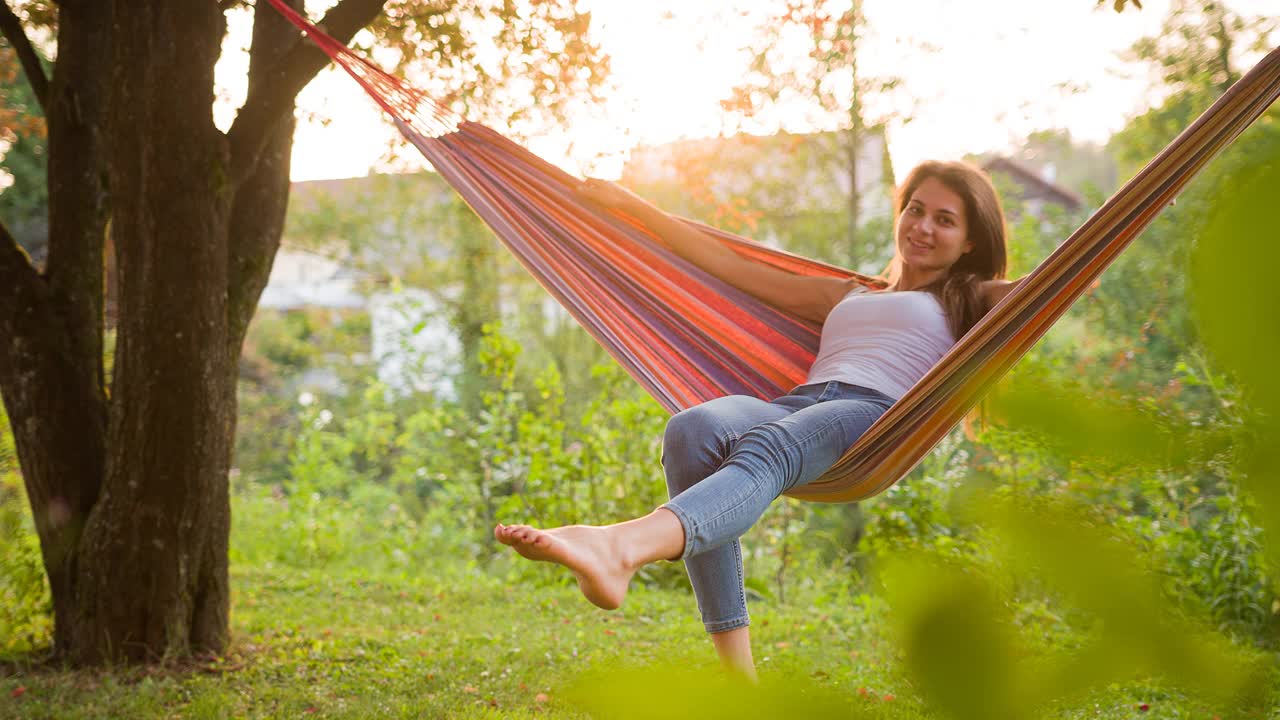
x: 1030, y: 178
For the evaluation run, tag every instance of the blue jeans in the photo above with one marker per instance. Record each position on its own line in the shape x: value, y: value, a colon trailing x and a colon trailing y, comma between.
x: 727, y: 459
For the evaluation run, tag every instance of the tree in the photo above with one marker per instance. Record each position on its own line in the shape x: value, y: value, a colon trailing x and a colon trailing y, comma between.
x: 1199, y: 52
x: 127, y: 477
x: 1196, y: 56
x: 827, y: 80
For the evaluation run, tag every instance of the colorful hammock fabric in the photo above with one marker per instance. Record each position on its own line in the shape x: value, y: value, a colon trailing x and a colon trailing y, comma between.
x: 688, y: 337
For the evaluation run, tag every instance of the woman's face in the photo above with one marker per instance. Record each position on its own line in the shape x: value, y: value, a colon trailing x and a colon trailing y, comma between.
x: 931, y: 232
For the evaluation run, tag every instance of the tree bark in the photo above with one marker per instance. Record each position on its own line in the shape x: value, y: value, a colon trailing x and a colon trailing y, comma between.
x: 144, y: 569
x: 258, y: 211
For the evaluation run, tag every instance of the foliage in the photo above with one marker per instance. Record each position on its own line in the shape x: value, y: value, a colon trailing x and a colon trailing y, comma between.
x: 1120, y: 5
x: 25, y: 606
x: 519, y: 64
x: 1234, y: 302
x: 412, y: 233
x: 24, y: 202
x: 835, y: 93
x: 916, y: 513
x: 826, y: 79
x: 365, y: 529
x: 945, y: 611
x: 1196, y: 56
x: 285, y: 355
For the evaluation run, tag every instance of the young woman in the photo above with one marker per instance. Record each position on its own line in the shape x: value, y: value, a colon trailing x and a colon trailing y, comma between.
x: 727, y: 459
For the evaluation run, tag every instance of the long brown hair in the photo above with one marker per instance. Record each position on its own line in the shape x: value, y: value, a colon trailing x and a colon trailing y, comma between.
x: 958, y: 292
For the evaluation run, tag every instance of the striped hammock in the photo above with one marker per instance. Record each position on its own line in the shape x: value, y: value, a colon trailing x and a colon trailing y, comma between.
x: 688, y: 337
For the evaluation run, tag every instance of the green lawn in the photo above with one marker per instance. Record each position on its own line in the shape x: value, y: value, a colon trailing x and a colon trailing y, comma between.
x: 470, y: 645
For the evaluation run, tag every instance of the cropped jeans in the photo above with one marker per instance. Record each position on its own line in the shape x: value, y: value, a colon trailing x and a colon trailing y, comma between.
x: 727, y: 459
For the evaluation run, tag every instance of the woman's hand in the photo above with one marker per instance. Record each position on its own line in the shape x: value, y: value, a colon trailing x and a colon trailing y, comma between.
x: 609, y: 195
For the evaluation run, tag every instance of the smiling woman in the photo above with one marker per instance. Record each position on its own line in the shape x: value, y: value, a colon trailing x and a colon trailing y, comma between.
x: 728, y: 459
x: 950, y: 240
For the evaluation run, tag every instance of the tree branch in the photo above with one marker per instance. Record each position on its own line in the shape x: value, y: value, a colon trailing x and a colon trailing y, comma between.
x: 19, y: 280
x: 274, y: 97
x: 262, y: 195
x: 11, y: 28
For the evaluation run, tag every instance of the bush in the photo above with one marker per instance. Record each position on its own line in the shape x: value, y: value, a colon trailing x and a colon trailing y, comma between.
x: 26, y: 607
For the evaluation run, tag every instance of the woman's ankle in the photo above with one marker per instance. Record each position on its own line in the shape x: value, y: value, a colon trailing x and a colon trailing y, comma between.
x: 656, y: 536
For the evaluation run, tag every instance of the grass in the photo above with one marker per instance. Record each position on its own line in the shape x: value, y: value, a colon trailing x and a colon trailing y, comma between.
x: 459, y: 643
x: 313, y: 645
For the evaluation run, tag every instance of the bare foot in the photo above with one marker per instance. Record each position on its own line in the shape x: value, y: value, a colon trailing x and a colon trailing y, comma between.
x: 587, y: 551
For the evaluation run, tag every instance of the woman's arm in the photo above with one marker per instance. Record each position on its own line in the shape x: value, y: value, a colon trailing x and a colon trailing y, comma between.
x: 809, y: 297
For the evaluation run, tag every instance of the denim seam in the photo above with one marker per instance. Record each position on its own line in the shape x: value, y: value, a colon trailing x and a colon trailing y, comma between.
x: 685, y: 522
x: 742, y: 580
x: 727, y: 625
x: 743, y: 618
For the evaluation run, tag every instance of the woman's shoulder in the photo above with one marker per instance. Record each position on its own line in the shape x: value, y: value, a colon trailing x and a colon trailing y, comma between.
x: 993, y: 291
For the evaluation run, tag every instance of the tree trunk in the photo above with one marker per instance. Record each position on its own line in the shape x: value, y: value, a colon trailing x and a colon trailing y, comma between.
x: 129, y: 492
x: 855, y: 138
x: 147, y: 589
x: 855, y: 198
x: 477, y: 306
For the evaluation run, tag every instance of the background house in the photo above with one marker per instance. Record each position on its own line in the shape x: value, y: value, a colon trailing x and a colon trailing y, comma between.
x: 1033, y: 190
x: 342, y: 253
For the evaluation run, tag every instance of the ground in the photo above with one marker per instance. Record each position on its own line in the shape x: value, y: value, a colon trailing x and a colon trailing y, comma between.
x: 475, y: 645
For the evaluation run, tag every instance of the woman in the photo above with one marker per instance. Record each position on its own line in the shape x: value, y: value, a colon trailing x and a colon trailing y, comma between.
x: 727, y: 459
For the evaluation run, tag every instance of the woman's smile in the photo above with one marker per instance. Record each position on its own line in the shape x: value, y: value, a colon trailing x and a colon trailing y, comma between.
x: 918, y: 245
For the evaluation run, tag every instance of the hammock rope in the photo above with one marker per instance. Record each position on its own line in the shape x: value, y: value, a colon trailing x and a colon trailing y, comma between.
x: 688, y: 337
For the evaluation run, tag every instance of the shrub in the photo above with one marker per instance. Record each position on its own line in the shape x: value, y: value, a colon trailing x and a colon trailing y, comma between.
x: 26, y: 607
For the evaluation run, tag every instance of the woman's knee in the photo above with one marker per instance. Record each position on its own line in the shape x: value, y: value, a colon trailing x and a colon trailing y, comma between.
x: 694, y: 443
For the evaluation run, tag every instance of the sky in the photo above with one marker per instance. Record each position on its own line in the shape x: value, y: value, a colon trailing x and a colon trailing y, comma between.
x: 977, y: 76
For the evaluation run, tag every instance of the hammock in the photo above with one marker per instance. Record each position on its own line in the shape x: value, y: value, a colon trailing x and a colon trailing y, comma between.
x: 688, y: 337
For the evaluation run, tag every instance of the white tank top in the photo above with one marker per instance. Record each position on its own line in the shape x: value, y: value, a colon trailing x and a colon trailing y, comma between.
x: 885, y: 341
